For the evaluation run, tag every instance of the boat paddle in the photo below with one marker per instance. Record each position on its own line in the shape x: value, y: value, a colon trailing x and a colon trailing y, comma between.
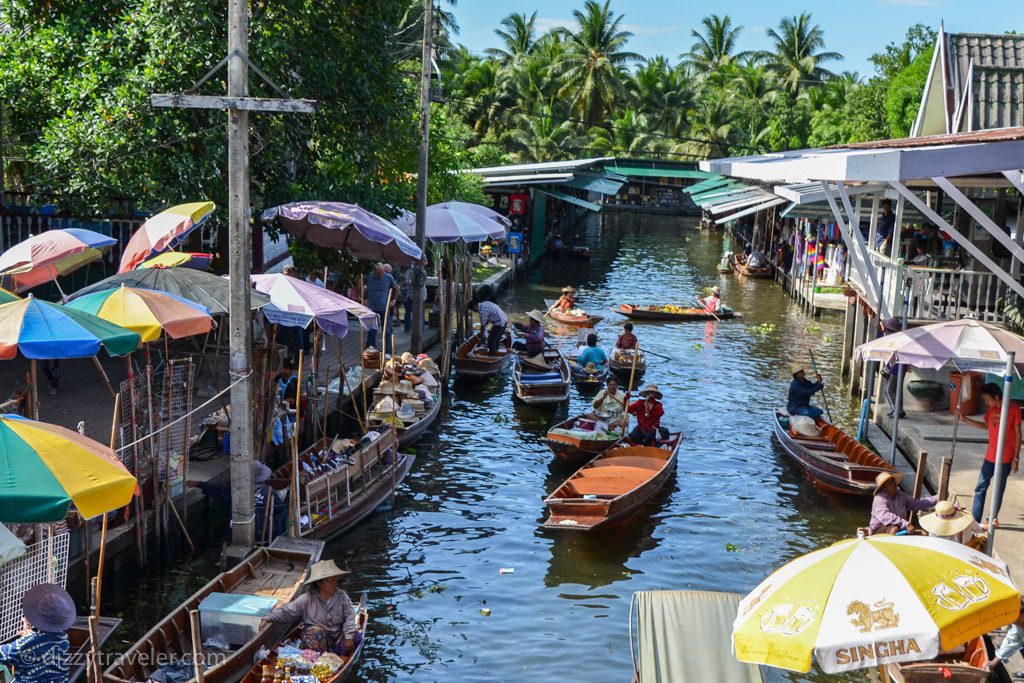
x: 625, y: 401
x: 697, y: 299
x: 824, y: 398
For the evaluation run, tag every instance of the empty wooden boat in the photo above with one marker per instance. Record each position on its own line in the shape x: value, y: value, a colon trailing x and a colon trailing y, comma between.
x: 271, y: 573
x: 535, y: 385
x: 473, y: 361
x: 570, y: 319
x: 621, y: 363
x: 340, y: 483
x: 834, y: 460
x: 575, y: 441
x: 78, y: 638
x: 344, y: 673
x: 611, y: 487
x: 670, y: 312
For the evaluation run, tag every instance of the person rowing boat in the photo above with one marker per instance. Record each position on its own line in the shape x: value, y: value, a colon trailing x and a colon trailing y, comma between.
x: 713, y: 303
x: 800, y: 391
x: 534, y: 331
x: 610, y: 404
x: 566, y: 302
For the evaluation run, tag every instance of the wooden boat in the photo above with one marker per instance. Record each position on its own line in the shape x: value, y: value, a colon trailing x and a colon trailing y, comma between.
x: 341, y: 493
x: 78, y: 637
x: 534, y: 386
x: 267, y: 572
x: 752, y: 271
x: 611, y: 486
x: 834, y: 460
x: 964, y: 664
x: 413, y: 428
x: 567, y: 319
x: 255, y: 674
x: 588, y: 382
x: 473, y: 361
x: 676, y: 313
x: 580, y: 252
x: 622, y: 365
x: 577, y: 449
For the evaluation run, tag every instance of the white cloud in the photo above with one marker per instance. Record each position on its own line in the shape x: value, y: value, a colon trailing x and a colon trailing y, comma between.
x: 545, y: 24
x: 640, y: 30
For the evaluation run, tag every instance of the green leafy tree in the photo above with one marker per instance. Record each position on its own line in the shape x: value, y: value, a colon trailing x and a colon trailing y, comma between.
x: 626, y: 135
x: 798, y: 53
x: 903, y: 96
x: 517, y: 37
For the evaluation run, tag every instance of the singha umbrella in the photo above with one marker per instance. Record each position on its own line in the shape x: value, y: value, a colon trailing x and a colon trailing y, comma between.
x: 43, y: 257
x: 204, y: 289
x: 348, y: 228
x: 148, y: 312
x: 295, y: 303
x: 456, y: 221
x: 163, y: 231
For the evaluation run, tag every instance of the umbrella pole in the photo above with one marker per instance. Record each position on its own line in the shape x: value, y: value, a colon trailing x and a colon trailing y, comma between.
x: 103, y: 374
x: 997, y: 478
x: 34, y: 393
x: 139, y: 541
x: 153, y: 458
x: 295, y: 453
x: 896, y: 410
x: 103, y: 524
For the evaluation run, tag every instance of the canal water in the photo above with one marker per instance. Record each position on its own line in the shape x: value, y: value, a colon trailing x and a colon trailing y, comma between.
x: 471, y: 509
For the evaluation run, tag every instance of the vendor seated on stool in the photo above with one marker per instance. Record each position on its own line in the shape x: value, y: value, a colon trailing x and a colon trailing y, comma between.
x: 40, y: 653
x: 648, y: 411
x: 891, y: 507
x: 800, y: 391
x: 328, y: 615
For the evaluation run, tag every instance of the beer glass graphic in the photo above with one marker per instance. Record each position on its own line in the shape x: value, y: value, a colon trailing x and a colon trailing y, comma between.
x: 973, y: 587
x: 773, y: 621
x: 798, y: 621
x: 950, y: 598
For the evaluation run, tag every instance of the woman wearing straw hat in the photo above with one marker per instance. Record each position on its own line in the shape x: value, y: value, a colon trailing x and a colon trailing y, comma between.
x: 713, y: 304
x: 891, y: 507
x: 566, y: 302
x: 648, y: 411
x: 951, y: 524
x: 41, y: 651
x: 328, y: 616
x: 534, y: 332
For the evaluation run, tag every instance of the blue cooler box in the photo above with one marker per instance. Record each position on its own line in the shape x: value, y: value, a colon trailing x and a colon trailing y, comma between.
x: 236, y: 617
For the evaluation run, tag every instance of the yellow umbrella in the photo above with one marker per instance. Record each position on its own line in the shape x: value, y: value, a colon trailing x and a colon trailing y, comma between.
x: 147, y: 311
x: 871, y: 601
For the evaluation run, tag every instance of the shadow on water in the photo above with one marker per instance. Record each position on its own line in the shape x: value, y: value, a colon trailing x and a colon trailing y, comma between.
x: 736, y: 509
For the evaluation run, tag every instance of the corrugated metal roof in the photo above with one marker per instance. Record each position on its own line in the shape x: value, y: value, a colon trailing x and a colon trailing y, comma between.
x: 997, y: 95
x: 996, y: 135
x: 543, y: 167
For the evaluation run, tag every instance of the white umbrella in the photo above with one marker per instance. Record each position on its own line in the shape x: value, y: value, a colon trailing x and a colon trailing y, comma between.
x: 456, y: 221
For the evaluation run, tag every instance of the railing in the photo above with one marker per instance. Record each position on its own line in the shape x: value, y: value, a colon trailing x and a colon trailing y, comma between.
x: 16, y: 228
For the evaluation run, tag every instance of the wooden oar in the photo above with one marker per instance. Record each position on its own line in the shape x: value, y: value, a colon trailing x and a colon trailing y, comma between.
x: 697, y: 299
x: 824, y: 398
x: 656, y: 355
x: 625, y: 401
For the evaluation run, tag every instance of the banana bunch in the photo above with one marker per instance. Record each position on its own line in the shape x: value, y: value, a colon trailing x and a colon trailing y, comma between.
x: 671, y: 308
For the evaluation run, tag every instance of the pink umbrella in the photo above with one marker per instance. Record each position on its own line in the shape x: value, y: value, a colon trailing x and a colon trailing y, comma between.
x: 43, y: 257
x: 295, y: 303
x: 162, y: 232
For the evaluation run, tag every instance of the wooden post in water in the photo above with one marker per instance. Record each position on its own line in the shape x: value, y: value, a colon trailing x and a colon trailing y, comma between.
x: 93, y: 662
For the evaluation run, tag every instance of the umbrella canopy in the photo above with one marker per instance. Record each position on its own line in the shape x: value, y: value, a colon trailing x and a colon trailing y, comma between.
x: 455, y: 221
x: 294, y: 303
x: 185, y: 259
x: 147, y: 311
x: 205, y: 289
x: 44, y: 468
x: 484, y: 212
x: 42, y: 330
x: 869, y: 601
x: 163, y: 231
x: 11, y: 547
x: 7, y: 297
x: 969, y: 344
x: 348, y: 228
x: 43, y: 257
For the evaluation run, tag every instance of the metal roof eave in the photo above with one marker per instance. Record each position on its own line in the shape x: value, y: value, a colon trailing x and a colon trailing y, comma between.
x: 569, y: 198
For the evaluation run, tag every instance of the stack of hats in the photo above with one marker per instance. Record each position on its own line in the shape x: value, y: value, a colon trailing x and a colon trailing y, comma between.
x: 371, y: 358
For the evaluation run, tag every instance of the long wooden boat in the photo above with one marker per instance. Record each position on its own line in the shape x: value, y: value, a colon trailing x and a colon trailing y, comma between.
x: 834, y: 460
x: 611, y: 486
x: 581, y: 445
x: 567, y: 319
x: 962, y: 665
x: 534, y: 386
x: 267, y: 572
x: 411, y: 430
x: 337, y: 491
x: 622, y: 365
x: 473, y: 361
x: 756, y: 272
x: 676, y: 313
x: 78, y: 638
x: 344, y: 673
x: 588, y: 382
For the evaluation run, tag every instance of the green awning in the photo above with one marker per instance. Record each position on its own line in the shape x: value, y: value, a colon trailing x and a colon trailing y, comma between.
x: 593, y: 182
x: 659, y: 172
x: 570, y: 198
x: 707, y: 184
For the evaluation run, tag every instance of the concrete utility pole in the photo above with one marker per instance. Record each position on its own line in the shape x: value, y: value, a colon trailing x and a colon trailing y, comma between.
x: 239, y: 104
x: 418, y: 276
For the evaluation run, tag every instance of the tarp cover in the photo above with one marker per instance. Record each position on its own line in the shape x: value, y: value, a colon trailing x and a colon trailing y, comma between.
x: 684, y: 637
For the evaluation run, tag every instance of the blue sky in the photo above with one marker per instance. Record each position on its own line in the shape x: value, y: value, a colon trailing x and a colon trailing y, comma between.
x: 855, y: 28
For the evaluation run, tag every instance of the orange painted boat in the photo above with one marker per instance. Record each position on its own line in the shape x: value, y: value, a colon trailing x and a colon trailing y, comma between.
x: 965, y: 664
x: 611, y: 487
x: 748, y: 271
x: 567, y: 319
x: 571, y: 440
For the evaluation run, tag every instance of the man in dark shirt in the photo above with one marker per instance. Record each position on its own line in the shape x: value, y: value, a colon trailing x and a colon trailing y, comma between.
x: 886, y: 226
x: 800, y: 391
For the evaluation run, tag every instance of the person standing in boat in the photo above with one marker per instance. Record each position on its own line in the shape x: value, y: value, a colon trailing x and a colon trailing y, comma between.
x: 648, y: 411
x: 40, y: 653
x: 327, y: 613
x: 592, y: 354
x: 713, y: 304
x: 891, y: 506
x: 490, y: 314
x: 534, y: 332
x: 800, y: 391
x: 627, y: 341
x: 566, y: 302
x: 610, y: 404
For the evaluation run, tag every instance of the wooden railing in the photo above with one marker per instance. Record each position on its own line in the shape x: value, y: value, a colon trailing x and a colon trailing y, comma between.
x: 18, y: 227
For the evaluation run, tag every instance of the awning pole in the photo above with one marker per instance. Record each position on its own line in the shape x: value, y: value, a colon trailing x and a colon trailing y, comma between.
x: 897, y: 407
x: 997, y: 478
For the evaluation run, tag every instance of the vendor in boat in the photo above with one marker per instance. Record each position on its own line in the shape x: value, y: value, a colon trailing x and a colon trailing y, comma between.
x: 566, y: 302
x: 270, y: 523
x: 800, y: 391
x: 490, y: 314
x: 592, y: 354
x: 891, y: 507
x: 713, y: 304
x: 627, y: 341
x: 534, y: 332
x: 327, y: 613
x: 953, y: 524
x: 648, y: 411
x: 610, y: 404
x: 40, y: 652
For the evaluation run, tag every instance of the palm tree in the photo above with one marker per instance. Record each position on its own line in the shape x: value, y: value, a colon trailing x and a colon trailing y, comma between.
x: 712, y: 131
x: 541, y: 137
x: 594, y: 65
x: 517, y: 38
x: 664, y: 96
x: 626, y: 134
x: 798, y: 53
x: 714, y: 47
x: 754, y: 85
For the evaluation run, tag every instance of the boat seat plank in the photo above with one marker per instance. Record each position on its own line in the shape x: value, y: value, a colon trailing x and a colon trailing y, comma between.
x: 611, y: 486
x: 637, y: 461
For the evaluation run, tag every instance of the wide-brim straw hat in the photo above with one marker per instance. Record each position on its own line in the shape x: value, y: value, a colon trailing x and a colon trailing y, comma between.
x: 324, y: 569
x: 428, y: 380
x: 883, y: 477
x: 406, y: 387
x: 537, y: 361
x: 651, y: 389
x: 568, y: 290
x: 536, y: 315
x: 408, y: 358
x: 590, y: 367
x: 716, y: 290
x: 946, y: 520
x: 796, y: 368
x: 49, y: 608
x: 385, y: 406
x: 429, y: 365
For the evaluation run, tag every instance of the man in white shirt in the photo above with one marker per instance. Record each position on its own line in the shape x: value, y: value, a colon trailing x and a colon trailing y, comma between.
x: 610, y: 404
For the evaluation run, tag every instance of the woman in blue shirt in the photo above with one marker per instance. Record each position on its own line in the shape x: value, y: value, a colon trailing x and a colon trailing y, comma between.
x: 40, y: 654
x: 592, y: 354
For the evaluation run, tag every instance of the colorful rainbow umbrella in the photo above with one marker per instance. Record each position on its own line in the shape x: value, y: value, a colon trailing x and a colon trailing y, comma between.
x: 162, y: 232
x: 7, y: 297
x: 147, y: 312
x: 41, y: 258
x: 870, y: 601
x: 43, y: 330
x: 44, y: 468
x: 295, y: 303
